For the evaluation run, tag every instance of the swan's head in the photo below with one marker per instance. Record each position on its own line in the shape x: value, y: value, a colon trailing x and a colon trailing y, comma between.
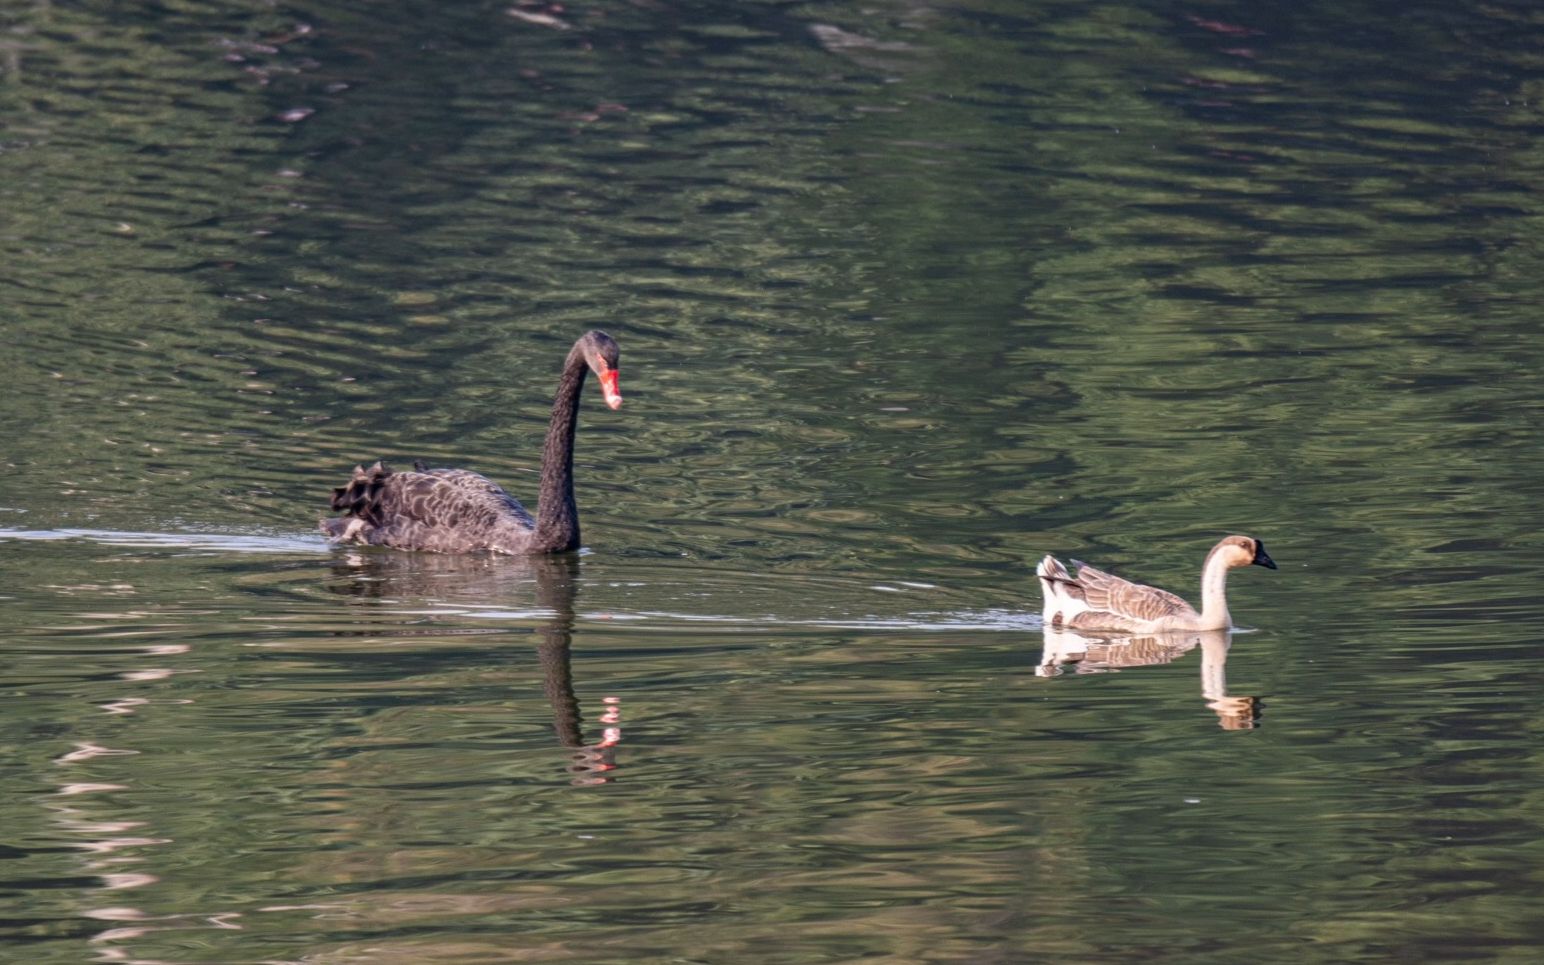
x: 1245, y: 551
x: 601, y: 352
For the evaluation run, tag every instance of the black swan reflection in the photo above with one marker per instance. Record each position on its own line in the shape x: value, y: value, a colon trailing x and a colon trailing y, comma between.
x: 556, y: 588
x: 460, y: 511
x: 415, y: 579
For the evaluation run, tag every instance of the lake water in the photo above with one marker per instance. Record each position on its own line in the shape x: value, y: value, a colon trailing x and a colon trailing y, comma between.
x: 908, y: 296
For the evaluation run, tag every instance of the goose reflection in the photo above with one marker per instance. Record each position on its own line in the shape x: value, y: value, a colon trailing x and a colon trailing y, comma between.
x: 1064, y: 650
x: 479, y: 580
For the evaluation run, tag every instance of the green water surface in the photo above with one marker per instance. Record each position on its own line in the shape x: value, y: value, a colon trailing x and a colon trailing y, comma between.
x: 908, y: 296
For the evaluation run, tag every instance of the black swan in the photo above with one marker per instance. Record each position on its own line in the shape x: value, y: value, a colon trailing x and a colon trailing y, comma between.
x: 460, y: 511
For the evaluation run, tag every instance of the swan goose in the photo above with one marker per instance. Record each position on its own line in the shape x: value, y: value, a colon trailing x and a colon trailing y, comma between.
x: 1096, y: 600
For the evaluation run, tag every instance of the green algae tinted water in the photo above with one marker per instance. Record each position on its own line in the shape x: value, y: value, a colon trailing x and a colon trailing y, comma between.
x: 908, y: 296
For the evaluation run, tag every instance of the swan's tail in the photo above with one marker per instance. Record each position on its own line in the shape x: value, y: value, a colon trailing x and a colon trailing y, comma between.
x: 361, y: 498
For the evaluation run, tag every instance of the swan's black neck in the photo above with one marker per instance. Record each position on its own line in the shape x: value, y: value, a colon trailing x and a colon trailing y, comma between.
x: 557, y: 515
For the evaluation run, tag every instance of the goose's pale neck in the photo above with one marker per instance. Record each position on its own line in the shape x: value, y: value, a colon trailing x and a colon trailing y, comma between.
x: 1214, y: 592
x: 557, y: 515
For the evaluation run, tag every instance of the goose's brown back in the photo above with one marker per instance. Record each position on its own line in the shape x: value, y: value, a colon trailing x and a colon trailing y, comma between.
x: 1137, y: 601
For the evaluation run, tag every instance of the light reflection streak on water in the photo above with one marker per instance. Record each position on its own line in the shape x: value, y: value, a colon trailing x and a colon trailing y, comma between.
x: 113, y: 846
x: 209, y: 542
x: 987, y: 620
x: 951, y: 621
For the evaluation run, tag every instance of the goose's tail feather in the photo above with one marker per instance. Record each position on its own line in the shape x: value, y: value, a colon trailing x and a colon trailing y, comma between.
x: 1051, y: 569
x: 1064, y: 596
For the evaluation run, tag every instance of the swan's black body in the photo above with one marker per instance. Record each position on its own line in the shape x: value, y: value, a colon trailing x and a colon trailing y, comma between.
x: 459, y: 511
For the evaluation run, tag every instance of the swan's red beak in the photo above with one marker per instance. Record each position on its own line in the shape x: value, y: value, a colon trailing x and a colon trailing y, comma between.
x: 610, y: 384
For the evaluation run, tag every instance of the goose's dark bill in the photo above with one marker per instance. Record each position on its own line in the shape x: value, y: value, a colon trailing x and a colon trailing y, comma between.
x: 1261, y: 558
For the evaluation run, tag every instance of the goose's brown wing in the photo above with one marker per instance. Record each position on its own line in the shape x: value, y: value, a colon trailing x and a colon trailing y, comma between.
x: 1109, y: 593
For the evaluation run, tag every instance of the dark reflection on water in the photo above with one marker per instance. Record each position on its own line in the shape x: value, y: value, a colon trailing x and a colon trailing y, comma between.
x: 393, y: 577
x: 908, y: 296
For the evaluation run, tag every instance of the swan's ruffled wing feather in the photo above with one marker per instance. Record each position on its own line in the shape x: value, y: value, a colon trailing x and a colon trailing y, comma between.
x: 441, y: 510
x: 464, y: 491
